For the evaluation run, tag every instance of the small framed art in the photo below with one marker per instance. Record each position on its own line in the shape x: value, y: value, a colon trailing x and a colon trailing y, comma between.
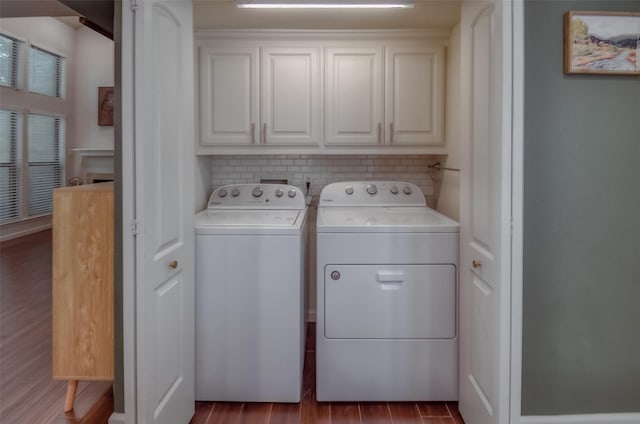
x: 602, y: 43
x: 105, y: 106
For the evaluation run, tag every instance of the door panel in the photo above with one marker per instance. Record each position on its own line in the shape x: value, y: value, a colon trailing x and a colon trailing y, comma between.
x: 390, y: 300
x: 415, y: 95
x: 291, y: 96
x: 163, y: 82
x: 228, y: 95
x: 485, y: 212
x: 354, y: 109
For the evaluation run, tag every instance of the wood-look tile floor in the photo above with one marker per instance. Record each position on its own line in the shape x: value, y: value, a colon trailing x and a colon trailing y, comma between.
x: 28, y: 393
x: 308, y: 411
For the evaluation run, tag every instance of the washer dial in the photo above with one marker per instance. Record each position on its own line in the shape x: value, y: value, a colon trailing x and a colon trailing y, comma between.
x: 257, y: 191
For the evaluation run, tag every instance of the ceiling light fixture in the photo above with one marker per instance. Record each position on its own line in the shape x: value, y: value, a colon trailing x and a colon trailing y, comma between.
x: 324, y: 4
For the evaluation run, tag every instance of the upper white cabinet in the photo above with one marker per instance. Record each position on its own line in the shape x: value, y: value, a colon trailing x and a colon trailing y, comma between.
x: 229, y: 111
x: 302, y: 92
x: 354, y: 104
x: 291, y: 96
x: 415, y: 95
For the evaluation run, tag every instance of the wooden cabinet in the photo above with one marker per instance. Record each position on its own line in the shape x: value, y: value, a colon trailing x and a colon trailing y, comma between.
x: 354, y: 88
x: 229, y: 109
x: 251, y: 96
x: 290, y: 96
x: 82, y: 288
x: 414, y: 96
x: 331, y: 92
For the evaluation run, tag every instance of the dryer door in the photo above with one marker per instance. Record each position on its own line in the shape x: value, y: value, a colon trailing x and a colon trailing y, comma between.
x: 390, y: 301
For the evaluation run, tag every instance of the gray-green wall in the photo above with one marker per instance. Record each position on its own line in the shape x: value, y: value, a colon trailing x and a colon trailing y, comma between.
x: 581, y: 335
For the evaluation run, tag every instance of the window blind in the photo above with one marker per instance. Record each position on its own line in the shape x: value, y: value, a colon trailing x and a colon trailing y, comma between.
x: 44, y: 161
x: 45, y: 72
x: 9, y: 54
x: 9, y: 199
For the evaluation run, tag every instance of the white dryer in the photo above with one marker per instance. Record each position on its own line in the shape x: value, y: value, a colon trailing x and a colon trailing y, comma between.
x: 250, y: 250
x: 387, y: 293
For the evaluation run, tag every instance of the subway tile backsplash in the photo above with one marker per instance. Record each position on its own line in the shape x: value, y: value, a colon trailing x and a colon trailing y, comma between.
x: 321, y: 170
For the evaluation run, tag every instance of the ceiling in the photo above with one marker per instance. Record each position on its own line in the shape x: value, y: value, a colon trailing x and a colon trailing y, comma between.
x: 26, y: 8
x: 223, y: 14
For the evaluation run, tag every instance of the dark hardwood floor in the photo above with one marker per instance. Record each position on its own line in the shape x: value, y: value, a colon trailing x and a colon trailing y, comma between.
x: 28, y: 393
x: 310, y: 412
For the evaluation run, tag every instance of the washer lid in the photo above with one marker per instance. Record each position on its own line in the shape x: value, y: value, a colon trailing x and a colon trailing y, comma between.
x: 383, y: 219
x: 247, y: 221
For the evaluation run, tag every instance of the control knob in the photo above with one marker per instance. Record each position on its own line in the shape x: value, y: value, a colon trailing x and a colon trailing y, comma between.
x: 235, y: 192
x: 279, y: 192
x: 348, y: 190
x: 257, y: 191
x: 291, y: 193
x: 394, y: 190
x: 222, y: 193
x: 372, y: 189
x: 407, y: 190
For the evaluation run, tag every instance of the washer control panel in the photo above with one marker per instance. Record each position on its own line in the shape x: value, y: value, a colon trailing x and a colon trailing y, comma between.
x: 257, y: 196
x: 372, y: 193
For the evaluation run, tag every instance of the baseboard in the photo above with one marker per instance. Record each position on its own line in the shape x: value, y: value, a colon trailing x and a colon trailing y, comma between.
x: 310, y: 316
x: 16, y: 234
x: 617, y: 418
x: 117, y: 418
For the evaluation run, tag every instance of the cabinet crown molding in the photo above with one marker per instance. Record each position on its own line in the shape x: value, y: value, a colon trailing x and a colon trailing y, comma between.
x: 333, y: 35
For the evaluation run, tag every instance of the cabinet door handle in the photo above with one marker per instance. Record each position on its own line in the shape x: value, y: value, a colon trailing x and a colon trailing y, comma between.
x: 173, y: 264
x: 263, y: 139
x: 252, y: 129
x: 379, y: 133
x: 391, y: 133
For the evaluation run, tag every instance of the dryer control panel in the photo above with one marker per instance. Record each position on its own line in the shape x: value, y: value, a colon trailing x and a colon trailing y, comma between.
x: 257, y: 196
x: 372, y: 193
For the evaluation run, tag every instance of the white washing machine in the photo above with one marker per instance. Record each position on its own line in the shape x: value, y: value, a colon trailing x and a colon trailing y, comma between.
x: 250, y: 250
x: 387, y: 327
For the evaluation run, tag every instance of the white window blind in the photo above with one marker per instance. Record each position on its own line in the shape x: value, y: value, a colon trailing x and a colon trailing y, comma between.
x: 45, y: 72
x: 44, y: 161
x: 9, y: 199
x: 9, y: 55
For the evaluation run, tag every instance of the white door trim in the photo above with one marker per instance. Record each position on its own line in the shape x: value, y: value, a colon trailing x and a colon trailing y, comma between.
x: 517, y: 201
x: 128, y: 160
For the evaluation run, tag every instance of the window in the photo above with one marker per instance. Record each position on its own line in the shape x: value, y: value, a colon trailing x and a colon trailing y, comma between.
x: 45, y: 135
x: 9, y: 60
x: 45, y: 72
x: 32, y: 129
x: 9, y: 201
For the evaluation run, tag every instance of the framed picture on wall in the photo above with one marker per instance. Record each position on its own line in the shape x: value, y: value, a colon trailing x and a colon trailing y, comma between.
x: 105, y: 106
x: 602, y: 43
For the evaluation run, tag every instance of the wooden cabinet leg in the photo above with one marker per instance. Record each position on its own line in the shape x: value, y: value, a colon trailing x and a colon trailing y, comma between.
x: 71, y: 395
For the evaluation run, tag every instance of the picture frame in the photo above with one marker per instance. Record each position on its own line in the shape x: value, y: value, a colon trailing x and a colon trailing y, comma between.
x: 605, y: 43
x: 105, y: 106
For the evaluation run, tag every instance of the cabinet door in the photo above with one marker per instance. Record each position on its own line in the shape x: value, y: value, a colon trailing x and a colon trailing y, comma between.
x: 414, y: 96
x: 354, y: 107
x: 228, y: 96
x: 290, y: 96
